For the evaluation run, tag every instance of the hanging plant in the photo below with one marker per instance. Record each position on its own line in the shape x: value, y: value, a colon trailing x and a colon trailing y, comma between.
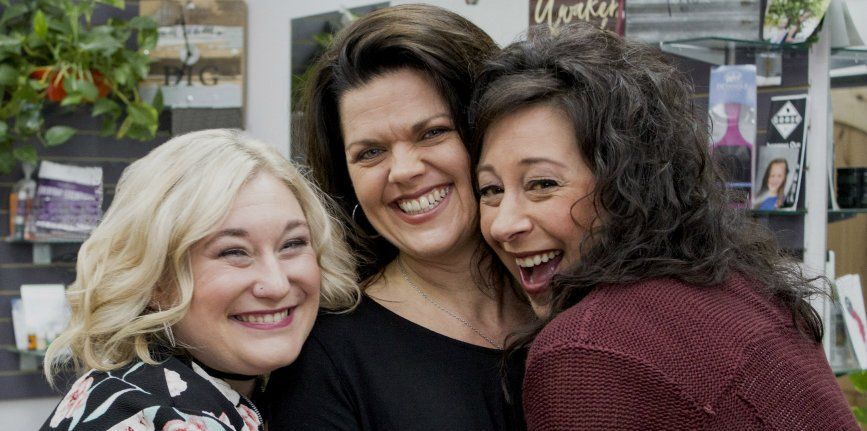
x: 51, y: 54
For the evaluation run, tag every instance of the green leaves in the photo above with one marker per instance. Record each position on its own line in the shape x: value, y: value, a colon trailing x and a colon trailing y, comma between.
x: 52, y: 54
x: 8, y: 75
x: 100, y: 42
x: 40, y: 24
x: 58, y: 135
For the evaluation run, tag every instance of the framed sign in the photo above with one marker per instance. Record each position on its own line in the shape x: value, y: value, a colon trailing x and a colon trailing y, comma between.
x: 607, y: 14
x: 199, y: 57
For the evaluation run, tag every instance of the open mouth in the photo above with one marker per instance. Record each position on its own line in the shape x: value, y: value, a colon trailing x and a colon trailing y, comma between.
x: 425, y: 203
x: 538, y: 269
x: 276, y: 318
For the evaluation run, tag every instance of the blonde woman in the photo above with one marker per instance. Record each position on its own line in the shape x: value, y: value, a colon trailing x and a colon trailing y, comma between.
x: 205, y: 274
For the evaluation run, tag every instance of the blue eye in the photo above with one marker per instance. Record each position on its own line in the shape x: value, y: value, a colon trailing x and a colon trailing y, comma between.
x: 368, y: 154
x: 435, y: 132
x: 295, y: 243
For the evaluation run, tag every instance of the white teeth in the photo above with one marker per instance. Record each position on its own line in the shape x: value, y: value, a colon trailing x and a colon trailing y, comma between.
x: 531, y: 261
x: 424, y: 203
x: 263, y: 318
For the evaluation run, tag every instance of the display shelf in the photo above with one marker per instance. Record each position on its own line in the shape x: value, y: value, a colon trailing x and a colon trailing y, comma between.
x: 35, y: 353
x: 844, y: 213
x: 848, y: 62
x: 42, y: 247
x: 720, y: 50
x: 28, y: 360
x: 758, y: 213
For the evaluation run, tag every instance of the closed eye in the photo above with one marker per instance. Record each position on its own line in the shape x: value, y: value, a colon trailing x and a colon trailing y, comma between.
x: 233, y: 252
x: 295, y: 243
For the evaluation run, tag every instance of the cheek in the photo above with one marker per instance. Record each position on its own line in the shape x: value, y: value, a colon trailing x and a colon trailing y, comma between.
x: 305, y: 274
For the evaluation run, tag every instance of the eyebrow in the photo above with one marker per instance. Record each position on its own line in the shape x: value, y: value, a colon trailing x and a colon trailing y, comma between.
x: 415, y: 128
x: 242, y: 233
x: 524, y: 162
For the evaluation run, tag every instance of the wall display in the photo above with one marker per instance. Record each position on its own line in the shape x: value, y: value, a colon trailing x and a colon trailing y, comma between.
x: 732, y: 111
x: 852, y: 305
x: 780, y: 161
x: 792, y: 21
x: 45, y: 314
x: 655, y: 21
x: 607, y: 14
x: 199, y: 56
x: 68, y: 201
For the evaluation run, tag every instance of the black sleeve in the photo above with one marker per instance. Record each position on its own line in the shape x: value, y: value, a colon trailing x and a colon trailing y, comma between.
x: 310, y: 394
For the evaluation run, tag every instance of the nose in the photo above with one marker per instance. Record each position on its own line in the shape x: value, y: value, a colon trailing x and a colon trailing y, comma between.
x: 510, y: 222
x: 272, y: 281
x: 406, y: 164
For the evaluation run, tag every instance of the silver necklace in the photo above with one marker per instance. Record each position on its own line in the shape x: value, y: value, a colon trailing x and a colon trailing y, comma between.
x: 445, y: 310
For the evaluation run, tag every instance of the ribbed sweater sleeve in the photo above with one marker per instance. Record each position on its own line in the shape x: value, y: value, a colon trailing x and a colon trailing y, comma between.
x: 576, y: 387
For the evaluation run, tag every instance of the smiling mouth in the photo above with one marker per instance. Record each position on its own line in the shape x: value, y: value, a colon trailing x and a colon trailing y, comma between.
x: 425, y: 203
x: 538, y: 269
x: 263, y: 318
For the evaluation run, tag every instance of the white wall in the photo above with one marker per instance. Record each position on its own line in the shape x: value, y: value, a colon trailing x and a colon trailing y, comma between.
x: 28, y: 414
x: 268, y: 50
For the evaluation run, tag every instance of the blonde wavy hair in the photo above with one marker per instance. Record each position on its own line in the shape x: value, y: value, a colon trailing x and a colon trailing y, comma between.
x: 164, y: 203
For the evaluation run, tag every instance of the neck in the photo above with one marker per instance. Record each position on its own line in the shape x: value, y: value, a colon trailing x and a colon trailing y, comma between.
x: 243, y: 387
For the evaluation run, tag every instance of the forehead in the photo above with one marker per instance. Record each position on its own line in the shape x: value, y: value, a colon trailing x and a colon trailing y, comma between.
x: 395, y: 99
x: 265, y: 190
x: 535, y: 131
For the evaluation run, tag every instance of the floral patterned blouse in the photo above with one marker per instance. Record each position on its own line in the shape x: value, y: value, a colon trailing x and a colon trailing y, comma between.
x: 176, y: 395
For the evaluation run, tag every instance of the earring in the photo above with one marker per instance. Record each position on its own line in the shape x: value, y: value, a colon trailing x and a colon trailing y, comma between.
x: 359, y: 224
x: 168, y: 330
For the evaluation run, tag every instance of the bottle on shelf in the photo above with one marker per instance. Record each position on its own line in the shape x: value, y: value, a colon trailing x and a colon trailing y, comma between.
x: 21, y: 205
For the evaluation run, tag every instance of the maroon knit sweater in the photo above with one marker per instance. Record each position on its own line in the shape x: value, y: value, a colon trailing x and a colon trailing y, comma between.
x: 664, y: 355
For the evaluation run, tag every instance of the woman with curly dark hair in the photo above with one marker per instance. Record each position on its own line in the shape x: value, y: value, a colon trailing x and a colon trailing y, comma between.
x: 662, y: 307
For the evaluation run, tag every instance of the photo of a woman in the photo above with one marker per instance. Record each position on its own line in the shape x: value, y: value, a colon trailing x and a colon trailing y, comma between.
x: 773, y: 191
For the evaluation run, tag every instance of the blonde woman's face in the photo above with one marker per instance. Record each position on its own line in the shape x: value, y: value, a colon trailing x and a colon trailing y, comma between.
x: 256, y: 284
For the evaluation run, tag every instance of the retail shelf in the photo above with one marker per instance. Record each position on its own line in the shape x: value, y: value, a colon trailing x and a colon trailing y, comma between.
x: 717, y: 50
x: 844, y: 213
x: 42, y: 246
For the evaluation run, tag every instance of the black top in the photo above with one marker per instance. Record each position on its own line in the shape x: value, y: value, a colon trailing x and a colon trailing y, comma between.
x: 172, y: 395
x: 374, y: 370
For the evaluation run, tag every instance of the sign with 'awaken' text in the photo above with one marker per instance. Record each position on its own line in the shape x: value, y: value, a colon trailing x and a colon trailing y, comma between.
x: 607, y: 14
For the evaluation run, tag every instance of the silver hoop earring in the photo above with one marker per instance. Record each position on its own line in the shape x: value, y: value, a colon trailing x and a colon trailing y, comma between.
x: 358, y: 223
x: 168, y: 330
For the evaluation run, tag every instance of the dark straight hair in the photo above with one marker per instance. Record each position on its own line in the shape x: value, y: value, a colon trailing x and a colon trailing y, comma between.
x: 664, y: 210
x: 447, y: 48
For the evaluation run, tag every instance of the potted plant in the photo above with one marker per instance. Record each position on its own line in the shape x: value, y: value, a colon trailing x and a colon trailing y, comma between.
x: 51, y: 54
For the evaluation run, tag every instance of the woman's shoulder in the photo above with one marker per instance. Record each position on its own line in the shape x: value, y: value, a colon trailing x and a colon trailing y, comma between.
x: 140, y: 395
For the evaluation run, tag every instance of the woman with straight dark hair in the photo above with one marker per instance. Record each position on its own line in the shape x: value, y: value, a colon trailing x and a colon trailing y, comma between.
x: 385, y: 128
x: 663, y: 308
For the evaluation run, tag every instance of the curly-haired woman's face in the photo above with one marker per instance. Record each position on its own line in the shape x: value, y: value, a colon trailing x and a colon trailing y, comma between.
x: 256, y: 284
x: 535, y: 206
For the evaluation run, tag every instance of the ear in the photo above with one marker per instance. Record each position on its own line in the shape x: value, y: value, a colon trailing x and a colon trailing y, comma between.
x: 162, y: 297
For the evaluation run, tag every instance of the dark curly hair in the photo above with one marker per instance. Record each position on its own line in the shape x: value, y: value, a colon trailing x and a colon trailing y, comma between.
x: 446, y: 47
x: 665, y: 212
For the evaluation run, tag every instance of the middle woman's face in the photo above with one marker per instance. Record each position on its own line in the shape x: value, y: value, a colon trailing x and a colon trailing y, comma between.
x: 408, y: 165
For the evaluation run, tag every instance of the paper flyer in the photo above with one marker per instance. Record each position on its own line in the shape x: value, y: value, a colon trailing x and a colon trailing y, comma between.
x: 852, y: 304
x: 780, y: 161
